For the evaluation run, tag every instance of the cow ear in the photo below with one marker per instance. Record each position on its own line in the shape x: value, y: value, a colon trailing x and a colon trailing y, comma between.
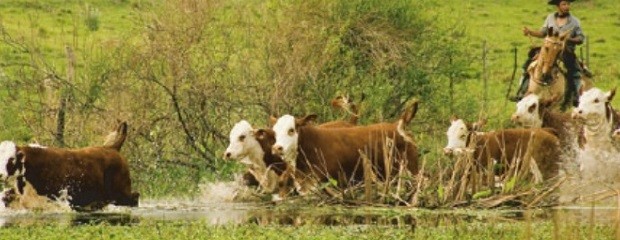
x: 546, y: 103
x: 19, y: 156
x: 259, y: 133
x: 410, y: 111
x: 308, y: 119
x: 453, y: 118
x: 477, y: 126
x: 611, y: 94
x: 272, y: 119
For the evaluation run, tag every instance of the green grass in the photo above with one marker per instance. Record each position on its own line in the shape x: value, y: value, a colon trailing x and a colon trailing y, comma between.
x: 203, y: 230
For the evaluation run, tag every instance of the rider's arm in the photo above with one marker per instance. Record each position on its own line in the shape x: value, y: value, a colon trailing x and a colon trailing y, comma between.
x: 577, y: 35
x: 538, y: 34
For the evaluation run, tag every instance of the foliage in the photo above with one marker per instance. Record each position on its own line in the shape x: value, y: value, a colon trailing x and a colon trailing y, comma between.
x: 182, y: 72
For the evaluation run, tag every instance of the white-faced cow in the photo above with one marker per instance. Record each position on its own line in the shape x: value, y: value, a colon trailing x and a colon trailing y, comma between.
x: 91, y: 177
x: 505, y: 146
x: 323, y: 153
x: 533, y: 112
x: 252, y: 147
x: 599, y: 118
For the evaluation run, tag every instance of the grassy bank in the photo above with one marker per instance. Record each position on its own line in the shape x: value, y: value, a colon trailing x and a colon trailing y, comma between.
x: 202, y: 230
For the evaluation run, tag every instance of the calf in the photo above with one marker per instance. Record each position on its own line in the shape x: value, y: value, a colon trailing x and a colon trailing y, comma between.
x: 345, y: 103
x: 92, y: 177
x: 252, y: 147
x: 505, y: 146
x: 327, y: 153
x: 599, y: 119
x: 533, y: 112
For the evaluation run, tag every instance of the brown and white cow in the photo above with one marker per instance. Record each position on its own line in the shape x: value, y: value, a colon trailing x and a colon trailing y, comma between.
x: 533, y: 112
x: 599, y: 119
x: 335, y: 153
x: 252, y: 147
x: 92, y: 177
x: 346, y: 104
x: 505, y: 146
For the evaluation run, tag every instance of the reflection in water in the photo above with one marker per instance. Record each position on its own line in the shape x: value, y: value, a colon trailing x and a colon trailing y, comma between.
x: 114, y: 219
x: 229, y: 213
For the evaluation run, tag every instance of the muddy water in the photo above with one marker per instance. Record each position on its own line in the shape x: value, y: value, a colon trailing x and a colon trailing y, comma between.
x: 267, y: 214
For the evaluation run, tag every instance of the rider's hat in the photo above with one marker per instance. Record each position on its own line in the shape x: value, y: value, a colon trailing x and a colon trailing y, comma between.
x: 556, y: 2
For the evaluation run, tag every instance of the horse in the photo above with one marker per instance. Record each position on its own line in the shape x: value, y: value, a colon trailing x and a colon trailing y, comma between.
x: 547, y: 80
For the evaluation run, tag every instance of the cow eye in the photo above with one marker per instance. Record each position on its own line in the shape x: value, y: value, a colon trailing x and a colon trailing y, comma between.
x: 241, y: 138
x: 596, y: 100
x: 532, y: 108
x: 463, y: 136
x: 291, y: 131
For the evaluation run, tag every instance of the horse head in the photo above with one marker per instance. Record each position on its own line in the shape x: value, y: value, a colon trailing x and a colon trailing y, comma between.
x: 552, y: 47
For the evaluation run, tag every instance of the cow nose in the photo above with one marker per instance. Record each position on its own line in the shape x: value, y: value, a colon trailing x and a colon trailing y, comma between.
x: 447, y: 151
x: 515, y: 118
x: 576, y: 113
x: 277, y: 149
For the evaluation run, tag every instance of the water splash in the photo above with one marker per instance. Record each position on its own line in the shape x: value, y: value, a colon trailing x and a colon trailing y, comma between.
x: 593, y: 177
x: 31, y: 200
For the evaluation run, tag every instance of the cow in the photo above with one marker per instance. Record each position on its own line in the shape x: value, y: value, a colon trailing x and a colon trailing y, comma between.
x: 253, y: 147
x: 599, y: 119
x: 319, y: 154
x: 505, y: 146
x: 533, y: 112
x: 346, y: 104
x: 91, y: 177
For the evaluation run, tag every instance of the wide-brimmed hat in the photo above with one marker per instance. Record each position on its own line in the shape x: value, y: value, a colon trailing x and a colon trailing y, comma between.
x: 556, y: 2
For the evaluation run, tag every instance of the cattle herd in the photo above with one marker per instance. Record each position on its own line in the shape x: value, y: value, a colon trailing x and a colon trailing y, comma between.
x: 296, y: 155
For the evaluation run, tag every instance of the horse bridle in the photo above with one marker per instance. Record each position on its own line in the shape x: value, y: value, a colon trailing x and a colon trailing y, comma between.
x: 542, y: 61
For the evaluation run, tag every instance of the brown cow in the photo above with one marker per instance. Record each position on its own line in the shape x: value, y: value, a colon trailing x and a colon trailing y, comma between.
x: 92, y: 177
x: 505, y: 146
x: 327, y: 153
x: 253, y: 146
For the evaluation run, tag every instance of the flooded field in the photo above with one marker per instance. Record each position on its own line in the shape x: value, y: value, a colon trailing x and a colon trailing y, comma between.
x: 269, y: 214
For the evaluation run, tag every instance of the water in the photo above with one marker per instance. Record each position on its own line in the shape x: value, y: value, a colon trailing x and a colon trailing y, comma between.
x: 269, y: 214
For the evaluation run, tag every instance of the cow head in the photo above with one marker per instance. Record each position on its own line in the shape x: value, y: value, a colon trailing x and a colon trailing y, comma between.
x: 616, y: 134
x: 11, y: 160
x: 530, y: 111
x: 287, y: 135
x: 594, y: 106
x: 459, y: 133
x: 242, y: 141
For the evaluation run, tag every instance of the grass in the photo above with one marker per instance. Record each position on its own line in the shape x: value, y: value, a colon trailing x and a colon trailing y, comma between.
x: 446, y: 227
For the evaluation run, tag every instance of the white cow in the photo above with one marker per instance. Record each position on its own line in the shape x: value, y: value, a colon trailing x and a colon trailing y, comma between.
x: 599, y: 119
x: 245, y: 147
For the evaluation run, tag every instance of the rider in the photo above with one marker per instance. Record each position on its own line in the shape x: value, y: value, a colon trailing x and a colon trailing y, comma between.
x: 564, y: 21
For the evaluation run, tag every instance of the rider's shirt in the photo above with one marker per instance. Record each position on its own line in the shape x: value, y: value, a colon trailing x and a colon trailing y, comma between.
x: 571, y: 24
